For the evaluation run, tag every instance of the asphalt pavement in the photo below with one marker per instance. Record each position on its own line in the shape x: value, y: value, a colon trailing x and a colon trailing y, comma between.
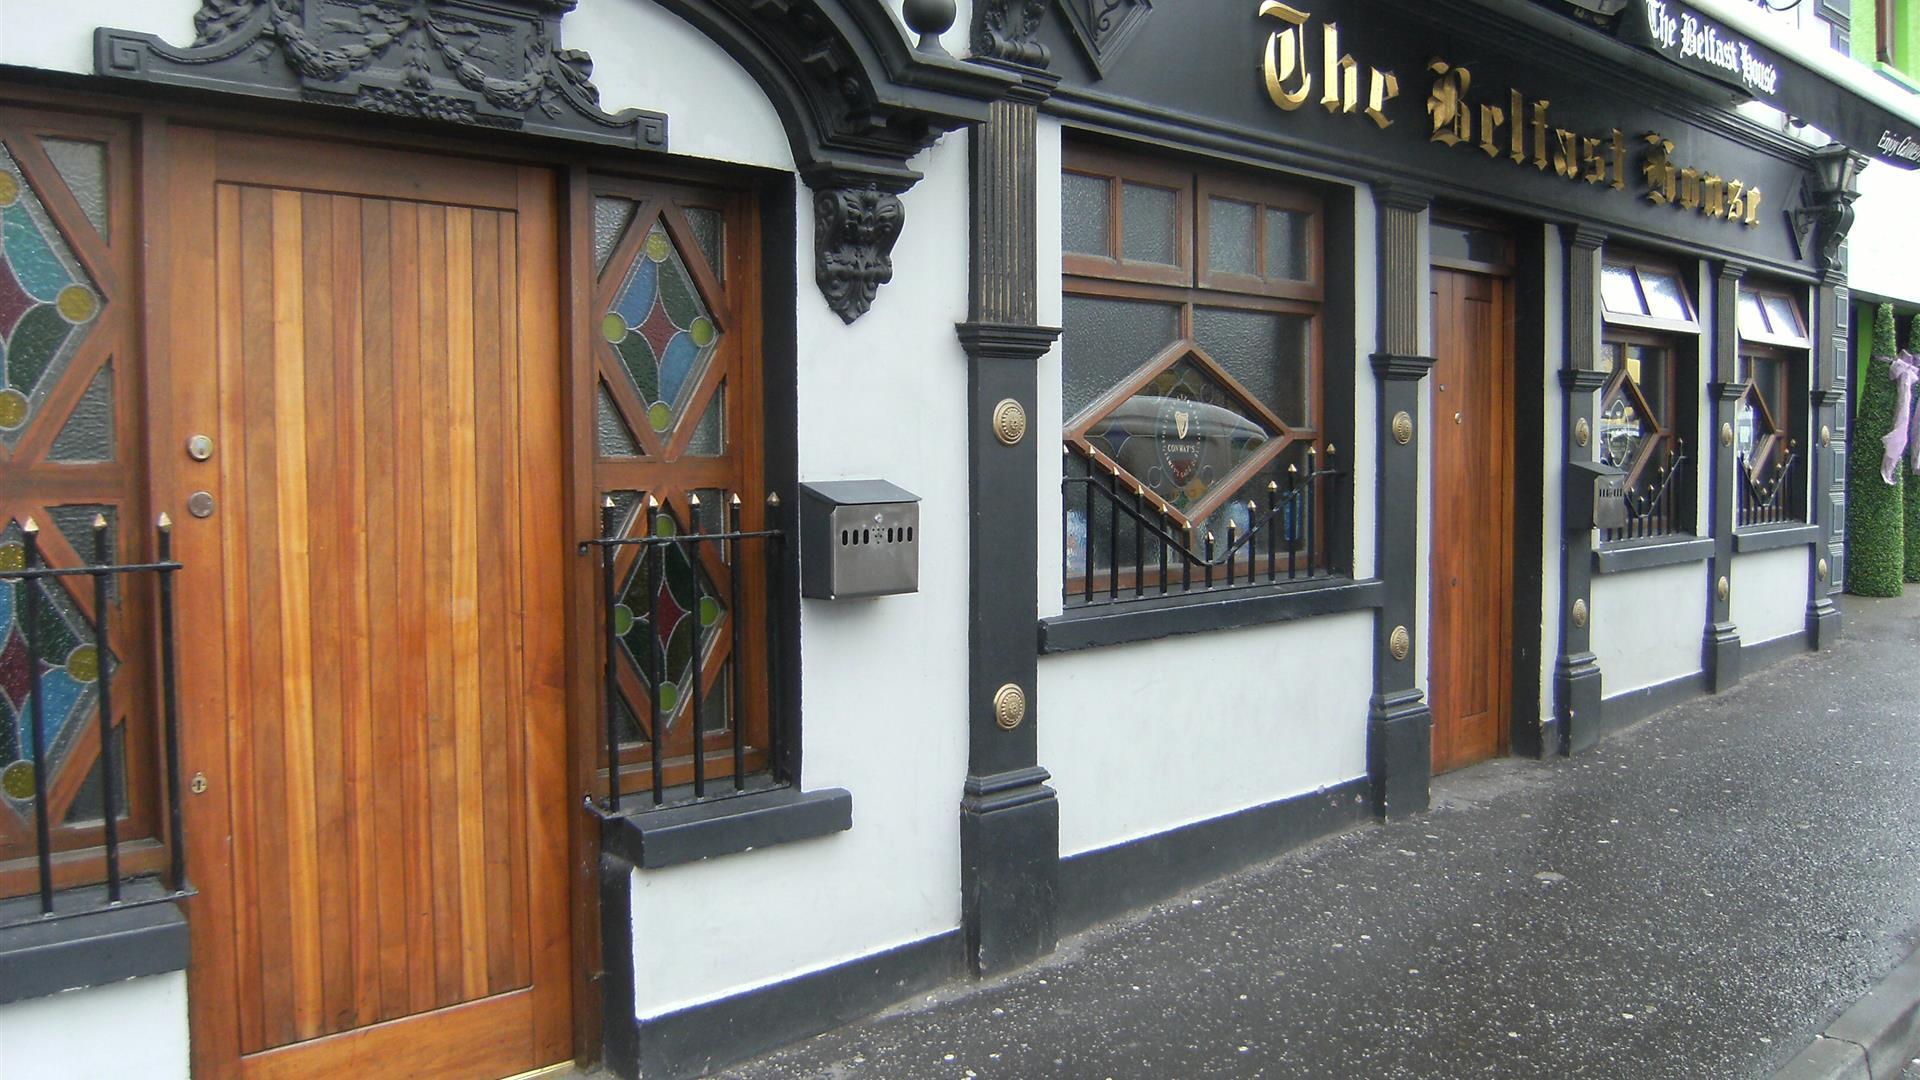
x: 1695, y: 899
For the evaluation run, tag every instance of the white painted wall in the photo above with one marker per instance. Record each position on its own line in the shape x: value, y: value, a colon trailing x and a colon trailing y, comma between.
x: 1553, y: 474
x: 1649, y: 625
x: 1880, y: 245
x: 1769, y: 596
x: 1209, y: 723
x: 132, y: 1028
x: 38, y: 33
x: 884, y: 689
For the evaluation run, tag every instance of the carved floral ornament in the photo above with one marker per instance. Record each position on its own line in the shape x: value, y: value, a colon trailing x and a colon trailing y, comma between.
x: 854, y: 231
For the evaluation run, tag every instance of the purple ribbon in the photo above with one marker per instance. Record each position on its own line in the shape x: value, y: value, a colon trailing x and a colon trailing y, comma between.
x: 1905, y: 372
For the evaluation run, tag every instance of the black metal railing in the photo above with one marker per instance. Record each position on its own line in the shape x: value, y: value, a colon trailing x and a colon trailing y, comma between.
x: 103, y: 571
x: 1766, y: 494
x: 1128, y: 545
x: 1657, y: 505
x: 653, y: 551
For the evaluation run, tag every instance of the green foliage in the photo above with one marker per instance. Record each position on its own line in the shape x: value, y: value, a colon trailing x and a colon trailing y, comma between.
x: 1913, y: 487
x: 1876, y: 518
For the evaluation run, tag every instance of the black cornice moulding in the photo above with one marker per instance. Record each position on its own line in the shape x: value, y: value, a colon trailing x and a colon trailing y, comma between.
x: 1583, y: 380
x: 1396, y: 366
x: 496, y: 65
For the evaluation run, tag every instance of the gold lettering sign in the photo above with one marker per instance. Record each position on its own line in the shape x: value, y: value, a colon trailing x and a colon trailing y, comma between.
x: 1289, y: 75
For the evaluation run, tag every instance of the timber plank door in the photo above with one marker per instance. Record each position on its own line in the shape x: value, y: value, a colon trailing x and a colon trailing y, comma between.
x: 372, y: 665
x: 1471, y: 573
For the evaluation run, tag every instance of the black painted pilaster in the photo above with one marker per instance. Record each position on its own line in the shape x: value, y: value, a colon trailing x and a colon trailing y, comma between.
x: 1009, y: 820
x: 1576, y: 674
x: 1827, y: 418
x: 1399, y: 722
x: 1720, y: 654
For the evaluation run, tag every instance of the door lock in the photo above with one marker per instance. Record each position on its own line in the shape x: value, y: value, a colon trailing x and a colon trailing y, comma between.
x: 199, y: 447
x: 199, y: 784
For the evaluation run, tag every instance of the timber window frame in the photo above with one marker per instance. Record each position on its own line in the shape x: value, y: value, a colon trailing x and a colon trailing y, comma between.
x: 1773, y: 358
x: 1213, y: 315
x: 1650, y: 334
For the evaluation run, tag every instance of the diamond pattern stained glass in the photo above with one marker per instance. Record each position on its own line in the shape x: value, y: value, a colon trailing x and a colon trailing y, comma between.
x: 672, y: 640
x: 1182, y: 434
x: 661, y: 330
x: 47, y: 302
x: 69, y: 676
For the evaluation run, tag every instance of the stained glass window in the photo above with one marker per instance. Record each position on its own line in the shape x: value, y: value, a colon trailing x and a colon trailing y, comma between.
x: 1183, y: 433
x: 686, y: 625
x: 661, y: 330
x: 611, y: 215
x: 47, y: 302
x: 83, y: 165
x: 69, y: 669
x: 612, y: 437
x: 87, y: 436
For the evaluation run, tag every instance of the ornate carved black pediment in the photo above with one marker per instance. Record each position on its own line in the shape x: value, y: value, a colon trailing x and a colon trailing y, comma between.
x: 1004, y: 30
x: 1106, y: 27
x: 491, y: 63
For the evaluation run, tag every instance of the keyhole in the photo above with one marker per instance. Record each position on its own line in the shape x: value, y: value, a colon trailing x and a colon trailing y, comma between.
x: 199, y: 784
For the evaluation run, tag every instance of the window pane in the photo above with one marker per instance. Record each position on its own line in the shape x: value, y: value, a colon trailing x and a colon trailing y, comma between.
x: 1083, y: 214
x: 87, y: 436
x: 1753, y: 320
x: 612, y: 436
x: 83, y: 165
x: 610, y: 218
x: 1781, y: 315
x: 1646, y: 366
x: 1623, y: 431
x: 1289, y: 245
x: 660, y: 330
x: 1146, y: 224
x: 709, y: 231
x: 1182, y: 435
x: 1104, y: 341
x: 1468, y: 243
x: 1609, y: 357
x: 1230, y: 237
x: 1665, y: 300
x: 710, y: 435
x: 1618, y: 292
x: 1265, y: 351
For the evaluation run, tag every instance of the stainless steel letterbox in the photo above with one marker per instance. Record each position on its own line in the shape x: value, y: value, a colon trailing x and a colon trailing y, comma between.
x: 858, y: 538
x: 1596, y: 496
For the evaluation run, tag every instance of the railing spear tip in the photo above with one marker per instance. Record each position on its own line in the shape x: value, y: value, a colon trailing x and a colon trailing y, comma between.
x: 30, y: 525
x: 1293, y: 470
x: 99, y: 522
x: 1273, y: 485
x: 165, y: 522
x: 693, y: 499
x: 653, y: 503
x: 773, y: 498
x: 606, y: 502
x: 735, y: 501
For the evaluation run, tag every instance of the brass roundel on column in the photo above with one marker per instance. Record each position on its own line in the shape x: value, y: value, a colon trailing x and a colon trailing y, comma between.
x: 1402, y: 428
x: 1009, y: 706
x: 1579, y: 613
x: 1721, y: 588
x: 1726, y: 434
x: 1822, y: 570
x: 1400, y: 643
x: 1826, y: 435
x: 1582, y: 431
x: 1009, y: 421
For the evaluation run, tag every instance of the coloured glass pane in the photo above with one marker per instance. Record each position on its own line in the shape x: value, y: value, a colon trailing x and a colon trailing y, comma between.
x: 662, y: 624
x: 1147, y: 229
x: 75, y: 522
x: 661, y: 330
x: 1182, y: 434
x: 47, y: 302
x: 87, y: 436
x: 69, y: 675
x: 1083, y: 214
x: 89, y: 803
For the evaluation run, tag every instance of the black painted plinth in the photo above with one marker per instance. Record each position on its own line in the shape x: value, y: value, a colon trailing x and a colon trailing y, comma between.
x: 1823, y: 624
x: 1399, y: 754
x: 1010, y: 869
x: 1576, y: 702
x: 1722, y: 656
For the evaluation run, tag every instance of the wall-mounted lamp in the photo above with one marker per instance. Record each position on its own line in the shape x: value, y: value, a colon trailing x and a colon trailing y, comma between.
x: 1827, y: 194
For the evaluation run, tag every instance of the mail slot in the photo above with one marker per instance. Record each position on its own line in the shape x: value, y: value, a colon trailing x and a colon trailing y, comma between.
x: 1596, y: 496
x: 858, y: 538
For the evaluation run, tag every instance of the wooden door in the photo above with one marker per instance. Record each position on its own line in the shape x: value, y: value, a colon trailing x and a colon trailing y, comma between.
x: 1470, y: 589
x: 373, y: 610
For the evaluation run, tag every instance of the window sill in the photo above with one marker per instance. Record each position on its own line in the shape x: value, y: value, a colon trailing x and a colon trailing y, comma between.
x: 1775, y: 536
x: 107, y: 945
x: 651, y: 839
x: 1222, y: 609
x: 1647, y: 554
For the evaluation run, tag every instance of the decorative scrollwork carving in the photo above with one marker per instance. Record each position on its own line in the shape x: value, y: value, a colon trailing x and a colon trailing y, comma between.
x: 854, y: 231
x: 1004, y: 30
x: 1105, y: 27
x: 495, y: 64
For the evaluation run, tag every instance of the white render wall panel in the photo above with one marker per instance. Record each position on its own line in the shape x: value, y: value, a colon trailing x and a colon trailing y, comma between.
x: 885, y: 690
x: 1649, y: 626
x: 132, y: 1028
x: 59, y: 37
x: 1769, y: 595
x: 1880, y: 245
x: 1208, y: 723
x: 1553, y: 473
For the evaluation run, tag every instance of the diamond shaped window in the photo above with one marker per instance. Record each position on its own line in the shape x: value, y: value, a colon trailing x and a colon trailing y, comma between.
x: 1190, y: 434
x: 667, y: 614
x: 661, y: 329
x: 47, y: 302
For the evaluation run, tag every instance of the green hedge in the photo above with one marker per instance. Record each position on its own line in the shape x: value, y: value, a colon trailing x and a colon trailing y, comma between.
x: 1906, y: 472
x: 1876, y: 542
